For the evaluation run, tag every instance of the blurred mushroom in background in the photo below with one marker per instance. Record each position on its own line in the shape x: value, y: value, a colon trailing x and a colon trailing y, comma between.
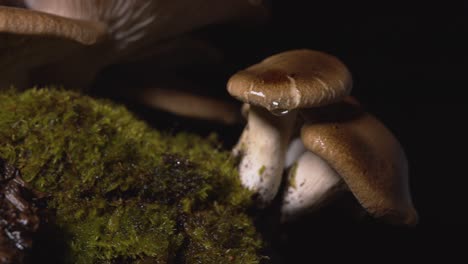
x: 67, y: 42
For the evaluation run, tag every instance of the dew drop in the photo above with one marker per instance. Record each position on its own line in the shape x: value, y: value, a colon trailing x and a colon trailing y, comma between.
x: 279, y: 112
x: 257, y: 93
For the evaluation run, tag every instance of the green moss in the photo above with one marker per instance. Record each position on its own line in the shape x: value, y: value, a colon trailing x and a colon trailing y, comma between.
x: 292, y: 176
x: 261, y: 170
x: 122, y: 192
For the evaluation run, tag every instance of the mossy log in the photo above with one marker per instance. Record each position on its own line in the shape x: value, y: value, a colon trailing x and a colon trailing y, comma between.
x: 122, y: 192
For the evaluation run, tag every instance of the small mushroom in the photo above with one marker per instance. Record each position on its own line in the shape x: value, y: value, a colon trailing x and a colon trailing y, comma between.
x: 363, y: 152
x: 137, y: 22
x: 275, y: 88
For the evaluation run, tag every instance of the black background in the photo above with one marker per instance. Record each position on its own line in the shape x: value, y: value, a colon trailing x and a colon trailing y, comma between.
x: 408, y: 62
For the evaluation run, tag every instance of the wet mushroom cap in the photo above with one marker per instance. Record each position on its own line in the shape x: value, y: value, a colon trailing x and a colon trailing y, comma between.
x: 368, y: 157
x: 292, y: 79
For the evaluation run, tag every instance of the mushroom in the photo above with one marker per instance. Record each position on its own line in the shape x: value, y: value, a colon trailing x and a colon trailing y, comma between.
x: 275, y: 89
x: 344, y: 142
x: 191, y: 105
x: 131, y: 21
x: 68, y: 42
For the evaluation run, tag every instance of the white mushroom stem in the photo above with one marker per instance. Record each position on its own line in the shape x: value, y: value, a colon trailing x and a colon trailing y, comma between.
x: 311, y: 182
x: 262, y: 148
x: 295, y: 149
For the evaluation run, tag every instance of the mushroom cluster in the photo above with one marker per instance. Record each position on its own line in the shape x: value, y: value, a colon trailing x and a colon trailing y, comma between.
x: 341, y: 147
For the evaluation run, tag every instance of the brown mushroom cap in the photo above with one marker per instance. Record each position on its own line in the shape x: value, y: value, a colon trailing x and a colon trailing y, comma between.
x: 292, y: 79
x: 368, y: 157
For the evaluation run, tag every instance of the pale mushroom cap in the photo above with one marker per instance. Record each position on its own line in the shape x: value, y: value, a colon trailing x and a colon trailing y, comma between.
x: 368, y: 157
x: 292, y: 79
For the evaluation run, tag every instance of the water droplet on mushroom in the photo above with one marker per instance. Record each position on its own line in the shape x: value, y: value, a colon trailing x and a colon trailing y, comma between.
x: 276, y: 110
x: 257, y: 93
x: 279, y: 112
